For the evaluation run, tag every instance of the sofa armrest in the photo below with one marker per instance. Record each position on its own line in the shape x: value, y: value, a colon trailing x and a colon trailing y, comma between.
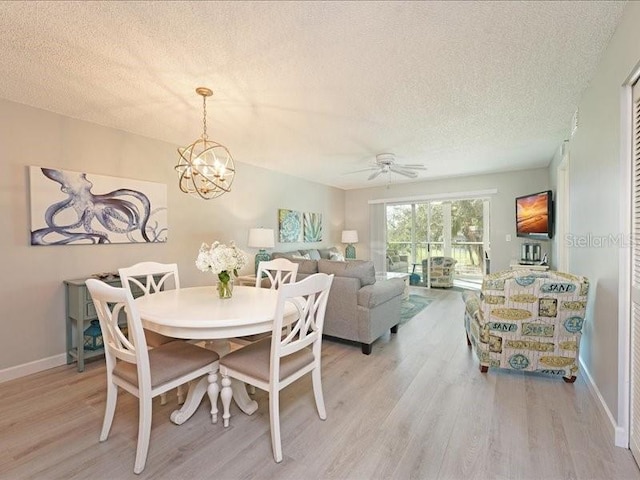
x: 341, y: 317
x: 371, y: 296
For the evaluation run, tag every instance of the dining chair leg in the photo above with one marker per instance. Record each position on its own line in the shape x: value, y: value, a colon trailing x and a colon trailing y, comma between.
x: 274, y: 418
x: 317, y: 392
x: 109, y: 410
x: 226, y: 395
x: 144, y: 433
x: 213, y: 390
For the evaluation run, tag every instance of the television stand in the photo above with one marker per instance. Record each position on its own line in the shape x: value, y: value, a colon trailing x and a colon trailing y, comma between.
x: 517, y: 265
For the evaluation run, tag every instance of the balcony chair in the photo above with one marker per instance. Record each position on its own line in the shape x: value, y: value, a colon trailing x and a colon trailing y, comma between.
x: 442, y: 271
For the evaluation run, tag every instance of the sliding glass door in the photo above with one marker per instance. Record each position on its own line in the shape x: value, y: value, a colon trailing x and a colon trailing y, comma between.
x: 419, y: 231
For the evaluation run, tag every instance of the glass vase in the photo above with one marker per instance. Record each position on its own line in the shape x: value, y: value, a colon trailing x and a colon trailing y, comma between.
x: 225, y: 288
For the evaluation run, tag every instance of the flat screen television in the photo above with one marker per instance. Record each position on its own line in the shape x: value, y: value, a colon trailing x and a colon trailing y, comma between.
x: 534, y: 216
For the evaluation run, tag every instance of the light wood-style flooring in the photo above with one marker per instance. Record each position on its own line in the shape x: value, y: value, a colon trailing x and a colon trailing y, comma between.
x: 417, y: 407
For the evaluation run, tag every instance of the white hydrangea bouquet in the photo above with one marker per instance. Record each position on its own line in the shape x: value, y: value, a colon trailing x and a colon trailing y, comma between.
x: 223, y: 261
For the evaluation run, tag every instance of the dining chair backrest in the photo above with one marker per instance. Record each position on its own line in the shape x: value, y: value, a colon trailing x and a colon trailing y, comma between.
x: 310, y: 298
x: 278, y: 271
x: 112, y: 303
x: 150, y: 277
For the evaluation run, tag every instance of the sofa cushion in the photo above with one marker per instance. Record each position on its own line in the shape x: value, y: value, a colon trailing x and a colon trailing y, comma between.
x: 360, y: 269
x: 313, y: 253
x: 306, y: 267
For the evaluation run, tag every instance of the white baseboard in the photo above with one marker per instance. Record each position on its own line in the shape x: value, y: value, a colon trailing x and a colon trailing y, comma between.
x: 618, y: 434
x: 32, y: 367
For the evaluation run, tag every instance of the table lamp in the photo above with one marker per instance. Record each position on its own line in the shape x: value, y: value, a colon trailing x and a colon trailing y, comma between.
x: 350, y: 237
x: 261, y: 238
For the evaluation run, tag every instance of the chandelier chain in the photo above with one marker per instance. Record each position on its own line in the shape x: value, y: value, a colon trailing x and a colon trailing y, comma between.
x: 204, y: 117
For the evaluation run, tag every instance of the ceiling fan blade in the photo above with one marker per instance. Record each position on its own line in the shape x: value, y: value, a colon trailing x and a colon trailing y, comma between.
x: 360, y: 171
x: 413, y: 166
x: 406, y: 173
x: 374, y: 174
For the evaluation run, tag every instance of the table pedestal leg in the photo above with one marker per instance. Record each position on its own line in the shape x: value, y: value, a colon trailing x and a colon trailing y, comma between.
x: 242, y: 398
x: 194, y: 397
x: 197, y: 391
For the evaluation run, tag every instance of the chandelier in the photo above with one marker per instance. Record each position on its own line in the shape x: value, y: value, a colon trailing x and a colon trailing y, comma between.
x: 206, y: 168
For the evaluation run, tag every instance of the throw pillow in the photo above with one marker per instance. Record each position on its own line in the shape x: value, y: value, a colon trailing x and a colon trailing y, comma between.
x: 336, y: 256
x: 306, y: 256
x: 312, y: 253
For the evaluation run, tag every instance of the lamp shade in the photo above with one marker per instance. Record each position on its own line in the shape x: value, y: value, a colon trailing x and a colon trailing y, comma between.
x: 349, y: 236
x: 261, y: 238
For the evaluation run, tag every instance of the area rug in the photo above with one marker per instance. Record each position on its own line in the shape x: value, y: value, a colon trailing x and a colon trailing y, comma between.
x: 412, y: 305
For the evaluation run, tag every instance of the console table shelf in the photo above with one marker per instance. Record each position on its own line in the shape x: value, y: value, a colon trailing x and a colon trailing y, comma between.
x: 80, y: 310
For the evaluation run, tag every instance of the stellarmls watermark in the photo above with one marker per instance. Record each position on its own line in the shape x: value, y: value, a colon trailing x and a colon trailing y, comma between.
x: 590, y: 240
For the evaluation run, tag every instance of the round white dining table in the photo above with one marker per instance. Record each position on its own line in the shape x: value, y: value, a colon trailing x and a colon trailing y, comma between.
x: 197, y: 313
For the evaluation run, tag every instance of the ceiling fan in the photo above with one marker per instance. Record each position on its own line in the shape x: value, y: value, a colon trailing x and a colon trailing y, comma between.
x: 386, y: 162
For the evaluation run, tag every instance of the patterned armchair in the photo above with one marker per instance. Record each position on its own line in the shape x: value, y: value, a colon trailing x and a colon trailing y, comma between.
x: 442, y: 271
x: 526, y: 320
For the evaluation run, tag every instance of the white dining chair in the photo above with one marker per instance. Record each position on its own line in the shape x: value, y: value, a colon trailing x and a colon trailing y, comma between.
x: 152, y: 277
x: 142, y: 372
x: 273, y: 363
x: 277, y: 272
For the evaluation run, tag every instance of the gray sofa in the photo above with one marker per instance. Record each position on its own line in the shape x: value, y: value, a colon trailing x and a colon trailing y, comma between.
x: 359, y: 309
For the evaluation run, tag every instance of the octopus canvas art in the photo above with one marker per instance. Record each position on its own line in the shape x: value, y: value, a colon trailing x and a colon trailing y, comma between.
x: 80, y: 208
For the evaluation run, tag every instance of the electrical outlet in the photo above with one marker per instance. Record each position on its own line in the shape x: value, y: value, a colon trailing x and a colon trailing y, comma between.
x: 508, y: 238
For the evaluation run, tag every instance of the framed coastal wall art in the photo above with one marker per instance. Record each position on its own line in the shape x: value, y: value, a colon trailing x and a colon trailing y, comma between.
x: 312, y: 227
x: 78, y: 208
x: 289, y: 226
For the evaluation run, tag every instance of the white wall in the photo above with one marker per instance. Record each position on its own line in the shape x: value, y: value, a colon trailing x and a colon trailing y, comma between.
x: 32, y: 294
x: 508, y: 184
x: 595, y: 175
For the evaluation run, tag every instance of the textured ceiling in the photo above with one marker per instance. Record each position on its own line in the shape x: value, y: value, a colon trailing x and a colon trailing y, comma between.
x: 317, y: 89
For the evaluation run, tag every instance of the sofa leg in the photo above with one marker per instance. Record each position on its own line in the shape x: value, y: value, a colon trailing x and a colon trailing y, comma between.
x: 394, y: 329
x: 366, y: 348
x: 570, y: 379
x: 484, y: 368
x: 468, y: 340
